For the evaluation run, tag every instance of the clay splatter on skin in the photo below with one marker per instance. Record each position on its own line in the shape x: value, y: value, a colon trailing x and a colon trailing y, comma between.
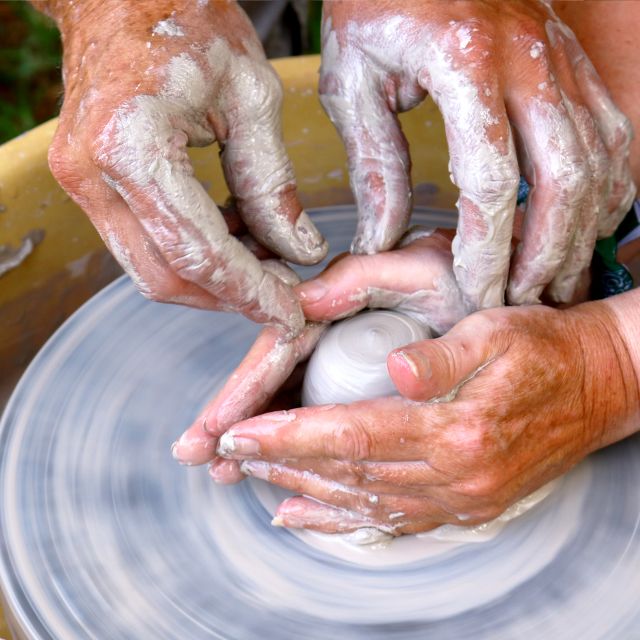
x: 168, y: 27
x: 143, y: 153
x: 369, y: 74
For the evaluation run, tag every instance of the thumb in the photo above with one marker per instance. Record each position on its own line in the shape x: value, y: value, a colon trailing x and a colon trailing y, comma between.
x: 437, y: 368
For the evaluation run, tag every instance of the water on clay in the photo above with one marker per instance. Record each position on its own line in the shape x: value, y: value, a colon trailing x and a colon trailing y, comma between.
x: 105, y: 536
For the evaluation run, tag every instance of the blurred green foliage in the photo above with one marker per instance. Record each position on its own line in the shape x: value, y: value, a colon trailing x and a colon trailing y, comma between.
x: 30, y: 59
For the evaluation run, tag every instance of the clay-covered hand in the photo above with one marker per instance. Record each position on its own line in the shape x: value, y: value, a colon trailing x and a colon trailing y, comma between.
x: 416, y: 278
x: 518, y: 96
x: 535, y: 390
x: 144, y: 80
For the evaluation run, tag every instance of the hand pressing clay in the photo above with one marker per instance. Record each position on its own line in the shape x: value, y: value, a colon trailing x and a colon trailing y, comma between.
x: 350, y: 360
x: 350, y: 364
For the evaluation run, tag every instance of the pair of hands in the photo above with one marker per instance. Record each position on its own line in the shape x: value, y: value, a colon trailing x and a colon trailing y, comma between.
x: 530, y: 392
x: 517, y: 96
x: 515, y: 89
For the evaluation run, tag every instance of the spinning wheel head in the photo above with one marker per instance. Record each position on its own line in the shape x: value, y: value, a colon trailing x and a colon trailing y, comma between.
x: 104, y: 535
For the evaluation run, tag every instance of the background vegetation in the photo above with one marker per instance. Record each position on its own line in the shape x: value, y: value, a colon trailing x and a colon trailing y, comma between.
x: 30, y: 56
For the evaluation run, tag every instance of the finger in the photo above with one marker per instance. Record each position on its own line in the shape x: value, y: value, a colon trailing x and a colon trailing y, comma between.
x: 417, y: 280
x: 121, y: 231
x: 238, y: 229
x: 258, y: 170
x: 223, y: 471
x: 561, y: 178
x: 395, y: 510
x: 614, y: 127
x: 138, y: 255
x: 247, y: 392
x: 261, y: 373
x: 154, y: 176
x: 439, y: 368
x: 367, y: 430
x: 304, y: 513
x: 406, y: 477
x: 485, y: 169
x: 580, y: 250
x: 195, y: 446
x: 260, y: 252
x: 379, y: 163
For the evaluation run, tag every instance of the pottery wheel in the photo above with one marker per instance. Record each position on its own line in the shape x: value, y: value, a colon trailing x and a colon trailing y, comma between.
x: 105, y: 536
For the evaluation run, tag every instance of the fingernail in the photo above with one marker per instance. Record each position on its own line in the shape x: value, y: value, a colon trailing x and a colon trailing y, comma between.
x: 310, y: 239
x: 216, y: 473
x: 255, y: 469
x: 221, y: 472
x: 417, y: 363
x: 293, y: 520
x: 176, y: 456
x: 193, y: 448
x: 236, y: 445
x: 208, y: 427
x: 312, y: 291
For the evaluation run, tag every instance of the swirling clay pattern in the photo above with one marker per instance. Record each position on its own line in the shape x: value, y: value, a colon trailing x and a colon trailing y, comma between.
x: 105, y: 536
x: 350, y: 361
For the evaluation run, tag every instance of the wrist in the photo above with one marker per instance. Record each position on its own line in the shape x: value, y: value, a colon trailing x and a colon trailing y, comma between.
x: 608, y: 343
x: 625, y: 308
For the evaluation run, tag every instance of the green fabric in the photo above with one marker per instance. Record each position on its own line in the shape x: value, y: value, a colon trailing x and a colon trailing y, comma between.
x: 608, y: 276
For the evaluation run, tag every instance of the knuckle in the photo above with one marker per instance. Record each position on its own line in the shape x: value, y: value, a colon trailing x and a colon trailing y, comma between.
x: 351, y: 441
x: 259, y: 91
x: 528, y: 26
x: 600, y: 166
x: 103, y: 149
x: 64, y: 167
x: 481, y: 324
x: 620, y: 133
x: 197, y: 269
x: 500, y: 185
x: 469, y: 440
x: 478, y: 29
x: 569, y: 179
x: 485, y: 486
x: 500, y: 322
x: 330, y: 79
x: 358, y: 266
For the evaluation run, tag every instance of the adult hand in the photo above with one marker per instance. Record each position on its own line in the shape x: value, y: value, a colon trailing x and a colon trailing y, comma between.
x: 416, y: 278
x: 517, y: 95
x: 535, y: 390
x: 144, y: 80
